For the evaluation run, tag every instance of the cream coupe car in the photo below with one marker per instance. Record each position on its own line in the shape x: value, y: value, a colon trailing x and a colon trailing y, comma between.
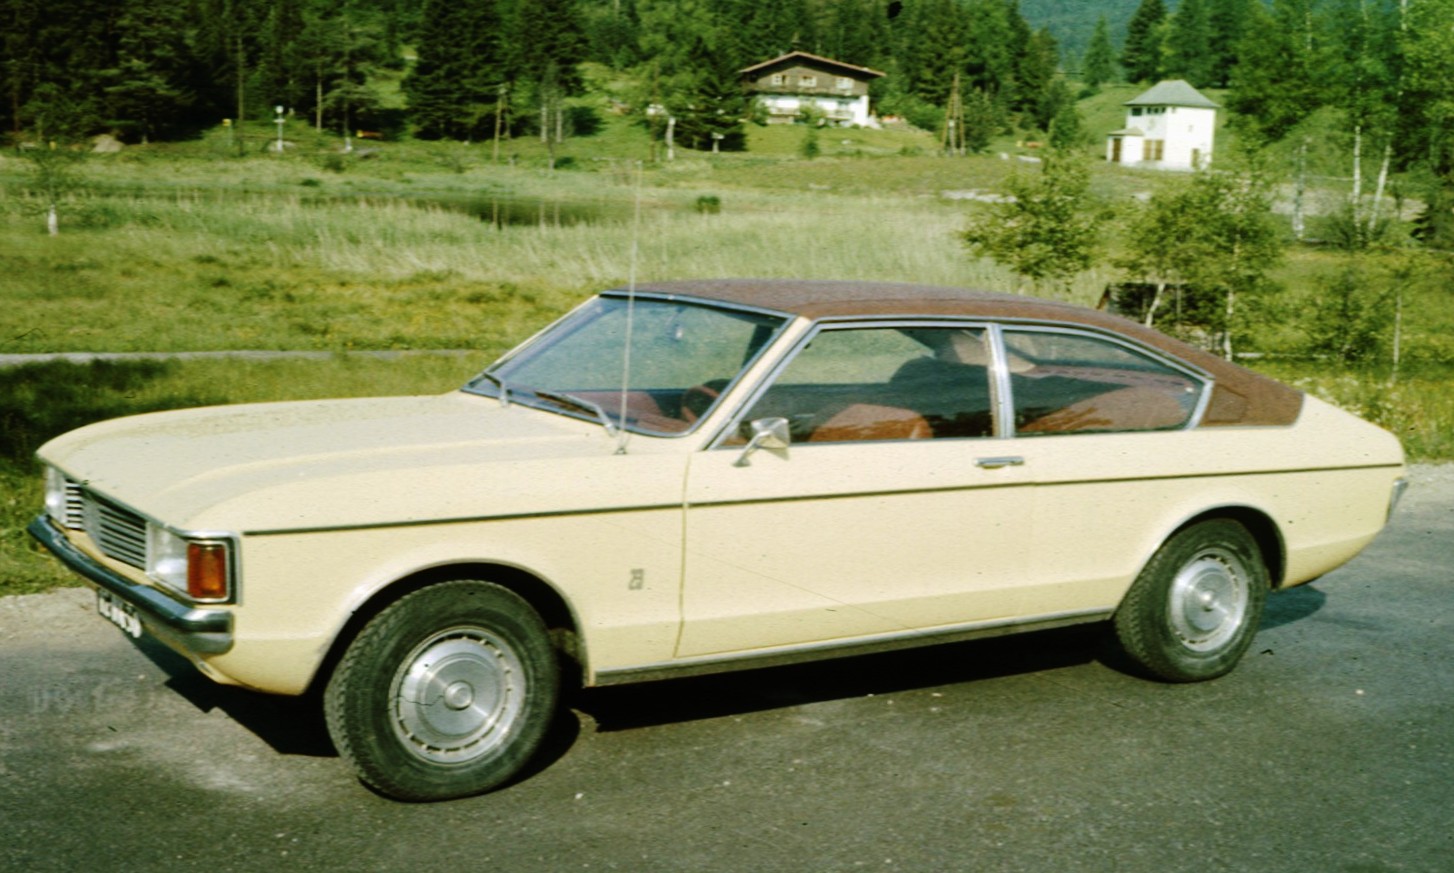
x: 701, y: 476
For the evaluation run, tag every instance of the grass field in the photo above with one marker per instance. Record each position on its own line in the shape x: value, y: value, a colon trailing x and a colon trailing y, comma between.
x: 218, y: 245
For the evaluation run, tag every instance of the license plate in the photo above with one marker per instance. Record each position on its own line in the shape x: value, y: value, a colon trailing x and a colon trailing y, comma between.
x: 118, y: 612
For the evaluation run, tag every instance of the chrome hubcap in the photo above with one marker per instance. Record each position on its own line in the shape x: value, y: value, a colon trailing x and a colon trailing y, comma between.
x: 1209, y: 600
x: 458, y: 695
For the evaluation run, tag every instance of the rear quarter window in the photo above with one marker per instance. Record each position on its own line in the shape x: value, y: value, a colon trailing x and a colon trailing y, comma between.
x: 1066, y: 382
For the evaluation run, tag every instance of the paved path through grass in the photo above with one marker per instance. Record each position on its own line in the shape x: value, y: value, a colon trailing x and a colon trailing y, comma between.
x: 251, y: 354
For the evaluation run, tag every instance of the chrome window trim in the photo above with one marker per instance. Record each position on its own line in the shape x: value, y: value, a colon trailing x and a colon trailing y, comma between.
x: 844, y: 323
x: 784, y: 321
x: 1191, y: 371
x: 999, y: 363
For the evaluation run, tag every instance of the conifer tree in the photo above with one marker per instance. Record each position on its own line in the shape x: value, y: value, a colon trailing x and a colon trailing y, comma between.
x: 692, y: 74
x: 147, y: 90
x: 612, y: 31
x: 1037, y: 73
x: 20, y: 57
x: 776, y: 28
x: 460, y: 70
x: 1279, y: 78
x: 1188, y: 44
x: 857, y: 32
x: 711, y: 108
x: 549, y: 32
x: 932, y: 46
x: 227, y: 46
x: 1099, y: 64
x: 282, y: 74
x: 1226, y: 21
x: 1141, y: 54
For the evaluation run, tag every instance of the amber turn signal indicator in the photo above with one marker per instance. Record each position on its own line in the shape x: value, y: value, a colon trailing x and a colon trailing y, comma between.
x: 207, y: 576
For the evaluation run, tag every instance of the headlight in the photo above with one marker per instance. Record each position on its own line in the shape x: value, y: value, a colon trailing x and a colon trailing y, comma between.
x: 199, y: 568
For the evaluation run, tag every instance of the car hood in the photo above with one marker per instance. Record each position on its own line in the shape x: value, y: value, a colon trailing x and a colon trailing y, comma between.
x: 330, y: 463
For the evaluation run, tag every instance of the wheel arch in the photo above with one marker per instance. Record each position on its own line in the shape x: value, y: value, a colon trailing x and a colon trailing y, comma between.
x: 1263, y: 529
x: 548, y: 603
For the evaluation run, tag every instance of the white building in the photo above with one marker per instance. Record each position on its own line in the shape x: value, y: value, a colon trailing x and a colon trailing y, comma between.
x: 788, y: 85
x: 1169, y: 127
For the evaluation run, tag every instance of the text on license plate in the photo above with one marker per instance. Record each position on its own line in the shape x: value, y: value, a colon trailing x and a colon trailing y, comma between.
x: 118, y: 612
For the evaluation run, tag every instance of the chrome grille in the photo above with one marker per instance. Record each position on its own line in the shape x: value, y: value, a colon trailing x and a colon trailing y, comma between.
x: 75, y: 517
x: 118, y: 532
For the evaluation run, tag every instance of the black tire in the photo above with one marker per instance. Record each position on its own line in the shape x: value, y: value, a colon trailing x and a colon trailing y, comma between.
x: 1194, y: 609
x: 446, y: 693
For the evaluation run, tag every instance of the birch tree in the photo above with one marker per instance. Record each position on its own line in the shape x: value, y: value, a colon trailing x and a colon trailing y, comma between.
x: 1046, y: 231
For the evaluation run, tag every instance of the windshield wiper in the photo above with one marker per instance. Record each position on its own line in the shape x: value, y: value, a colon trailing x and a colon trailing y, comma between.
x: 580, y: 403
x: 499, y: 384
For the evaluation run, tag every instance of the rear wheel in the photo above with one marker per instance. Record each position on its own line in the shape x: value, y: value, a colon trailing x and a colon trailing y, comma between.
x: 446, y: 693
x: 1194, y: 609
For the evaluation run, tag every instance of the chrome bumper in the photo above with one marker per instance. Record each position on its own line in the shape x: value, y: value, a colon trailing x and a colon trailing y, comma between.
x: 185, y: 628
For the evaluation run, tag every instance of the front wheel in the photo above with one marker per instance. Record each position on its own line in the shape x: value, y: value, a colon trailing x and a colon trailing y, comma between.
x: 1194, y: 609
x: 446, y: 693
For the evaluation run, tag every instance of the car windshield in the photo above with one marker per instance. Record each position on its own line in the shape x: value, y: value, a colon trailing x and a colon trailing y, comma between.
x: 683, y: 356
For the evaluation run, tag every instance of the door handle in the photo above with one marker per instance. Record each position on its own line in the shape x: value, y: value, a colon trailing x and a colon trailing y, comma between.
x: 998, y: 462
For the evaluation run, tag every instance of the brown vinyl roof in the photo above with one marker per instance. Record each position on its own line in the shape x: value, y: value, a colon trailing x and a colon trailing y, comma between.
x: 1242, y: 397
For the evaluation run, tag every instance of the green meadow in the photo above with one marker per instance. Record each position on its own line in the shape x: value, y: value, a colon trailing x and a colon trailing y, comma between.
x: 218, y: 244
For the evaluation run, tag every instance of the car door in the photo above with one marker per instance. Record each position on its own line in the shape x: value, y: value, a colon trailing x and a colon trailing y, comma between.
x: 1104, y: 427
x: 891, y: 511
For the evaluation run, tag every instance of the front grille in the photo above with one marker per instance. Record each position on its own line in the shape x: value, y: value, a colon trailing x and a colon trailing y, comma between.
x: 118, y: 532
x: 75, y: 517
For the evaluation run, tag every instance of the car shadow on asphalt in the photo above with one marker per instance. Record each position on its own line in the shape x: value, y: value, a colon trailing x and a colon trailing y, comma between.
x: 677, y: 700
x: 1294, y: 604
x: 289, y: 725
x: 701, y: 697
x: 295, y: 725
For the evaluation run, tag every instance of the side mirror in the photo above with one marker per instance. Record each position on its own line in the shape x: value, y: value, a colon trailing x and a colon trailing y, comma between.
x: 767, y: 433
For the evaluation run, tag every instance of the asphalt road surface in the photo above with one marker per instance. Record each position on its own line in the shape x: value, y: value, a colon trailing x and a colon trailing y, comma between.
x: 1330, y: 749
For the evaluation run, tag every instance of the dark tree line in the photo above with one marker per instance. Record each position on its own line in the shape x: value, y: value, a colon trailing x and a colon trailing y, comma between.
x: 691, y: 52
x: 160, y: 68
x: 147, y: 69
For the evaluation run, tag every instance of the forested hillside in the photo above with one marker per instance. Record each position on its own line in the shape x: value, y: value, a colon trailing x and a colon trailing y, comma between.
x: 144, y: 69
x: 1073, y: 23
x: 1377, y: 71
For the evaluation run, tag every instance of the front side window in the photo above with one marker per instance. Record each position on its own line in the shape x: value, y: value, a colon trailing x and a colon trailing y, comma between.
x: 1062, y: 382
x: 682, y: 356
x: 883, y: 383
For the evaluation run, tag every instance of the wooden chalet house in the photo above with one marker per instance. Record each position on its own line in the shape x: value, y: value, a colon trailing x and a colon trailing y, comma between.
x: 1168, y: 127
x: 786, y: 85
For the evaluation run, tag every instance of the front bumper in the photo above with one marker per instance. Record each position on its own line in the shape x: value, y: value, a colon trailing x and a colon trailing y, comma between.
x: 186, y: 628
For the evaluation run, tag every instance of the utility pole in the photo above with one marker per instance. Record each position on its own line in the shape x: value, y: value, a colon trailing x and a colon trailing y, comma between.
x: 954, y: 137
x: 500, y: 96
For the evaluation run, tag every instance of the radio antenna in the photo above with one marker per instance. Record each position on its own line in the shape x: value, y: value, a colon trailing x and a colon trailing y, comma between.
x: 622, y: 434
